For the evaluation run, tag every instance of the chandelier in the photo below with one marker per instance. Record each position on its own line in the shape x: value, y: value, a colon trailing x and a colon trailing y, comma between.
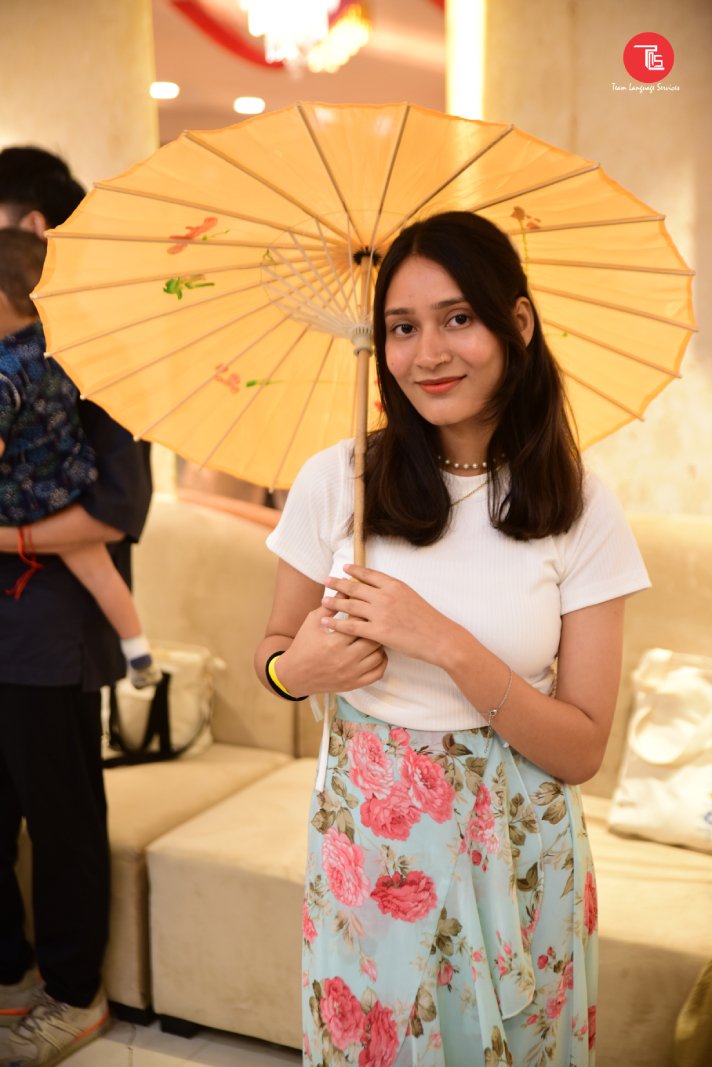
x: 298, y: 34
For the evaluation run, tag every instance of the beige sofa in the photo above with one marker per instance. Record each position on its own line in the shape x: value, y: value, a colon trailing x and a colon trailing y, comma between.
x: 208, y: 852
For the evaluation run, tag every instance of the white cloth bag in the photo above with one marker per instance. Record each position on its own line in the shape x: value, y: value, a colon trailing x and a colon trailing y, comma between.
x: 190, y: 671
x: 664, y: 790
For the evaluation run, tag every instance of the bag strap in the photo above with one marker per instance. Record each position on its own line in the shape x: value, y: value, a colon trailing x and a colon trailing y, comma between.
x: 157, y: 725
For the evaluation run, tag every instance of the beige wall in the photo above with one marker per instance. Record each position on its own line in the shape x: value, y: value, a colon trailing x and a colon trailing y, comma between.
x: 549, y: 69
x: 75, y: 78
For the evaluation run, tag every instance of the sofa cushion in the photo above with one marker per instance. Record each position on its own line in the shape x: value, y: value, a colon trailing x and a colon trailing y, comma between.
x: 205, y: 577
x: 226, y: 893
x: 145, y: 802
x: 655, y: 927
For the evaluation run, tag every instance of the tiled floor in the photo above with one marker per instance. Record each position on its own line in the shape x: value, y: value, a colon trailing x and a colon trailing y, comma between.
x: 126, y: 1045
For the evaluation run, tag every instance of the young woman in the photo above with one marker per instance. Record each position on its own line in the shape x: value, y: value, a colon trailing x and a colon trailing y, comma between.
x: 450, y: 909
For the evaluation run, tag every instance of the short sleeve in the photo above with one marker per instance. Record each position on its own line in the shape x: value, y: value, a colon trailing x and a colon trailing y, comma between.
x: 122, y: 493
x: 599, y: 557
x: 316, y: 512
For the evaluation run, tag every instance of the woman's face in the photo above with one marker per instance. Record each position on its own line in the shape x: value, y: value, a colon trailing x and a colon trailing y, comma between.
x: 442, y: 356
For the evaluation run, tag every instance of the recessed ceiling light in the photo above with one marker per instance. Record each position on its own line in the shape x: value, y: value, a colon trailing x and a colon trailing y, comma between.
x: 164, y: 90
x: 249, y: 105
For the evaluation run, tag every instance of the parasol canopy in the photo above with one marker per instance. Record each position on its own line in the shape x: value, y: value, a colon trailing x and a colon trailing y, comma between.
x: 211, y: 297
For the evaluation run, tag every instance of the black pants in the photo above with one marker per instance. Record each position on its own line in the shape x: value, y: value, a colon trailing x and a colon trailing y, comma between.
x: 50, y: 773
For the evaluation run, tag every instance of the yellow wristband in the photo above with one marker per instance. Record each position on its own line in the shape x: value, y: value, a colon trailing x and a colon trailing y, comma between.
x: 273, y: 679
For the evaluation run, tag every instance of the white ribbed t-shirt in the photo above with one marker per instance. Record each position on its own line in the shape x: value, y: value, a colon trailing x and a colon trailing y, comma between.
x: 509, y: 594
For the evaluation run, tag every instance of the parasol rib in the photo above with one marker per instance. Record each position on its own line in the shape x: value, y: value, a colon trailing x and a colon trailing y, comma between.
x: 295, y: 298
x: 473, y: 159
x: 527, y: 190
x: 170, y: 240
x: 333, y: 267
x: 608, y: 266
x: 386, y: 184
x: 604, y: 396
x: 612, y: 307
x: 330, y: 296
x: 351, y: 263
x: 196, y: 205
x: 298, y: 422
x: 317, y: 296
x: 194, y: 340
x: 119, y: 282
x: 274, y: 370
x: 301, y: 307
x: 268, y: 185
x: 611, y: 348
x: 329, y: 171
x: 206, y: 381
x: 584, y: 225
x: 152, y: 318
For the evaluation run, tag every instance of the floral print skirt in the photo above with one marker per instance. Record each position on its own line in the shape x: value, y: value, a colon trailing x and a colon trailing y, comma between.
x: 450, y: 909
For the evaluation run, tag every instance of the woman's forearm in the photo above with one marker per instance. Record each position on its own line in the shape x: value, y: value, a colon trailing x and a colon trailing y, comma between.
x: 565, y: 734
x: 62, y: 532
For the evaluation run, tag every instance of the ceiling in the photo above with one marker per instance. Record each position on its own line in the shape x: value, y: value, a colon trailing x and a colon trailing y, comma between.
x: 403, y: 60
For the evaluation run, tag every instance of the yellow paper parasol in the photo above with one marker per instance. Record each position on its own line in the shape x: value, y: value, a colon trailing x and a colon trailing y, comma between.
x: 211, y: 297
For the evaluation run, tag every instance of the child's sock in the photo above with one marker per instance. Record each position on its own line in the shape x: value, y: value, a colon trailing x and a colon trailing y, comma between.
x: 142, y: 671
x: 137, y: 651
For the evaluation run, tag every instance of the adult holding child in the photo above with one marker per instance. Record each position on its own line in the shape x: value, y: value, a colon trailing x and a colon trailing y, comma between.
x: 450, y: 911
x: 56, y: 651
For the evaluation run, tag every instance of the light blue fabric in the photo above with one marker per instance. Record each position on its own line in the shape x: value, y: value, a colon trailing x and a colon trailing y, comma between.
x: 450, y: 907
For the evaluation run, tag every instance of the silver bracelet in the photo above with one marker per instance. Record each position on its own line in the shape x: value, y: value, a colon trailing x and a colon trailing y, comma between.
x: 493, y: 711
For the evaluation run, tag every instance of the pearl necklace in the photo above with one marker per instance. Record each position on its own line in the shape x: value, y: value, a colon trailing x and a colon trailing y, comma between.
x: 463, y: 466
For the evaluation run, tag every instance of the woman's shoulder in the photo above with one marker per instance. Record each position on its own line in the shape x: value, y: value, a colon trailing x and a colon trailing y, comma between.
x: 332, y: 462
x: 597, y: 494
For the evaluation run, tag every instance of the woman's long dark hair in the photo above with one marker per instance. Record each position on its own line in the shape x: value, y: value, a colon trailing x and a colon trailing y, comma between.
x: 406, y: 495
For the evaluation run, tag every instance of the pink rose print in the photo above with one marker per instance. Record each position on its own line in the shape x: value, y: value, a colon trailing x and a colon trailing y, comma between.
x: 436, y: 1040
x: 590, y: 903
x: 445, y: 973
x: 592, y: 1026
x: 308, y: 927
x: 369, y: 968
x: 408, y: 898
x: 567, y: 976
x: 371, y: 768
x: 555, y: 1004
x: 399, y: 736
x: 542, y: 962
x: 428, y: 785
x: 342, y: 1013
x: 393, y: 816
x: 343, y: 867
x: 480, y: 829
x: 382, y: 1042
x: 305, y: 1044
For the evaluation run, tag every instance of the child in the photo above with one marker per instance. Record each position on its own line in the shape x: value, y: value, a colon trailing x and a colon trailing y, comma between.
x: 46, y: 462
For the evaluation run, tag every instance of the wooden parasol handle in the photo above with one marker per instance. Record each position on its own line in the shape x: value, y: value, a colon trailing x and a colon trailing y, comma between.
x: 363, y: 355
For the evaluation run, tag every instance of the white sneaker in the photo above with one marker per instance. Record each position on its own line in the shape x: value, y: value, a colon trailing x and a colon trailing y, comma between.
x: 16, y: 1000
x: 51, y: 1031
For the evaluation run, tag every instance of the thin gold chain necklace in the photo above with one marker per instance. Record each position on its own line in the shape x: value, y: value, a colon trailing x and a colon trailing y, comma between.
x: 469, y: 493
